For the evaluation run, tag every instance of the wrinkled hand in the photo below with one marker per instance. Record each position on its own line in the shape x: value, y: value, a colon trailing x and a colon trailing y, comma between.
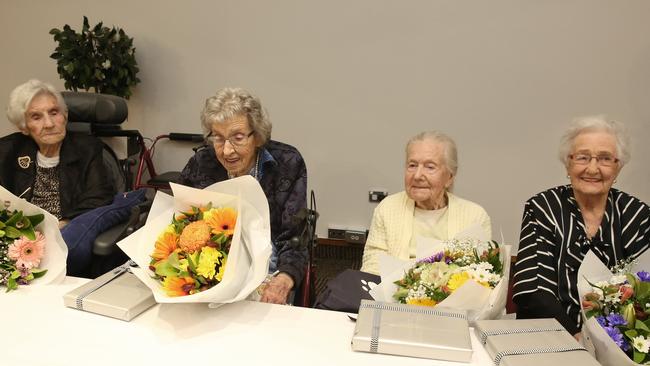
x: 578, y: 337
x: 277, y: 290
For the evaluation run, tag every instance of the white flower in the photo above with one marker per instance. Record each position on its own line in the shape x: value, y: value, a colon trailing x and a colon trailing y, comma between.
x: 618, y: 279
x: 437, y: 273
x: 106, y: 64
x: 641, y: 344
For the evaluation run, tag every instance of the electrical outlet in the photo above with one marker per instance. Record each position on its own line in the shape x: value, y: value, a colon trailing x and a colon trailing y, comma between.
x: 376, y: 195
x: 355, y: 236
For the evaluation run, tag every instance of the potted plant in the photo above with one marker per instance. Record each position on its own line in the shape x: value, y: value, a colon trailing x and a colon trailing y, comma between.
x: 98, y: 58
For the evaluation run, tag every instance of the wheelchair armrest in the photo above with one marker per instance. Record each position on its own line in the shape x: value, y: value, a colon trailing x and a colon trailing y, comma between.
x: 106, y: 242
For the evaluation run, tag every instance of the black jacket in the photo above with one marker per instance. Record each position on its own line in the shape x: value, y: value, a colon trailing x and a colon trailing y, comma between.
x: 285, y: 185
x: 84, y: 181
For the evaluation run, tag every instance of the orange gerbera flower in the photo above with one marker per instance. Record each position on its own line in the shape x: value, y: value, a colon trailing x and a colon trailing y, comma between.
x: 165, y: 245
x: 195, y: 236
x: 223, y: 220
x: 178, y: 286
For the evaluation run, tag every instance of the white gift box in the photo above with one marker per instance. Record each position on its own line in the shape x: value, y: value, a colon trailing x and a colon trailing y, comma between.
x: 531, y: 342
x: 415, y: 331
x: 118, y: 294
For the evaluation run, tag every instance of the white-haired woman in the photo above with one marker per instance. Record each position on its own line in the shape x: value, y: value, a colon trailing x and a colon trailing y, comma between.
x: 562, y: 224
x: 426, y: 208
x: 239, y: 132
x: 62, y: 173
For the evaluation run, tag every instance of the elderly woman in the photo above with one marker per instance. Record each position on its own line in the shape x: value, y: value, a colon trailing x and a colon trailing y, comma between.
x: 62, y: 173
x: 239, y: 132
x: 426, y: 208
x: 562, y: 224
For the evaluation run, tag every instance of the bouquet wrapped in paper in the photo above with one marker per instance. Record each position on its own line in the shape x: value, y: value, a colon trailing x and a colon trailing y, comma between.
x: 616, y: 309
x: 211, y: 245
x: 468, y: 272
x: 32, y: 250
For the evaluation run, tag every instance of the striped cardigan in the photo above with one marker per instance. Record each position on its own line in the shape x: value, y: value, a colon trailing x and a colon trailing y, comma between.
x: 553, y: 244
x: 392, y: 226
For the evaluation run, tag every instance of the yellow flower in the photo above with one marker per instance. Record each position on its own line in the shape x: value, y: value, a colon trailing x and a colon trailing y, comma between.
x: 207, y: 262
x: 165, y: 245
x: 194, y: 236
x: 178, y: 286
x: 425, y: 301
x: 221, y: 220
x: 457, y: 280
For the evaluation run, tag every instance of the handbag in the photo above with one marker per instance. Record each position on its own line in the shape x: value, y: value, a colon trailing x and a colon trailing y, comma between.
x: 345, y: 291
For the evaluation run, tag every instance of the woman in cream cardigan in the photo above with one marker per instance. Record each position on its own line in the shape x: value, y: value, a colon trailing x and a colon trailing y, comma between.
x: 426, y: 208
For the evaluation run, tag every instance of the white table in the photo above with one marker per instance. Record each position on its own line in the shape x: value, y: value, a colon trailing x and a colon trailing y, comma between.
x: 37, y: 329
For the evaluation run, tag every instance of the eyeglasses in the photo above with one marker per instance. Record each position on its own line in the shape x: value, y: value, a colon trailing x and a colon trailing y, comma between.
x: 602, y: 160
x: 239, y: 139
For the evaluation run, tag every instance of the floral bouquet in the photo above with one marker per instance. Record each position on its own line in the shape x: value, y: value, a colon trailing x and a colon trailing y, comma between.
x: 31, y: 246
x: 190, y: 255
x: 468, y: 272
x: 431, y: 280
x: 211, y: 245
x: 616, y: 310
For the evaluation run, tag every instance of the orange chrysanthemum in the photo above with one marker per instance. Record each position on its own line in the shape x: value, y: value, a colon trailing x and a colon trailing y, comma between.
x: 195, y: 236
x: 165, y: 245
x: 223, y: 221
x: 178, y: 286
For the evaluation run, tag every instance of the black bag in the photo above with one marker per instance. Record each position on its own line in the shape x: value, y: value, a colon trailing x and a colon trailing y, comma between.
x: 345, y: 291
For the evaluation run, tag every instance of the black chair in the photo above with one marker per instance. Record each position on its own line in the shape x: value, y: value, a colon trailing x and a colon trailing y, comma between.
x: 101, y: 115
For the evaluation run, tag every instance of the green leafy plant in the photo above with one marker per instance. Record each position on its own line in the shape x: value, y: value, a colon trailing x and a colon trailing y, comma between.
x: 98, y: 58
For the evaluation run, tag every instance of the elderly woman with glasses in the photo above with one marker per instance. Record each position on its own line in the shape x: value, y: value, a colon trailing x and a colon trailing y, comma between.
x: 562, y: 224
x: 239, y: 132
x: 426, y: 208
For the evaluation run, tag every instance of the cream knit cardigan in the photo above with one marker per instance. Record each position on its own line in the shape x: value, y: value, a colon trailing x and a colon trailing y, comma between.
x: 392, y: 226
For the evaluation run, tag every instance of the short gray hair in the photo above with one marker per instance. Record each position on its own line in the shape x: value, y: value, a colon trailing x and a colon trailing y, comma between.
x: 23, y: 94
x: 449, y: 147
x: 591, y: 124
x: 230, y: 102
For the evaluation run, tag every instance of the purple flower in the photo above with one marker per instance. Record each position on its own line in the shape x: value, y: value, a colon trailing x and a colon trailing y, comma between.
x: 643, y: 276
x: 616, y: 335
x: 602, y: 321
x: 434, y: 258
x: 616, y: 319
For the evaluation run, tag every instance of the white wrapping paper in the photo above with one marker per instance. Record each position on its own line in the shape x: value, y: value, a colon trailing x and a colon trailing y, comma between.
x: 593, y: 270
x: 56, y: 252
x: 479, y: 302
x: 250, y: 250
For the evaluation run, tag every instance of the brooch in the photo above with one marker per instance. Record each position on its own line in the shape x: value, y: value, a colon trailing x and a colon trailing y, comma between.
x: 24, y: 161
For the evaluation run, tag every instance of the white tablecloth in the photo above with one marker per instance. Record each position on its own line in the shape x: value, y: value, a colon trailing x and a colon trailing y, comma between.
x: 37, y: 329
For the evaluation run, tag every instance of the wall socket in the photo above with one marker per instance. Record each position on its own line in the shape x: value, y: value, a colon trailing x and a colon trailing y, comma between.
x: 376, y: 195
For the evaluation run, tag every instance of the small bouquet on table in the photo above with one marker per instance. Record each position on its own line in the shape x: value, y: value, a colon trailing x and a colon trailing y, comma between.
x: 211, y: 245
x: 32, y: 250
x: 616, y: 309
x: 469, y: 272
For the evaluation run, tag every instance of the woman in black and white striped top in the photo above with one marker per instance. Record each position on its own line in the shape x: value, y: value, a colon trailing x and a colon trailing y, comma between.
x: 562, y: 224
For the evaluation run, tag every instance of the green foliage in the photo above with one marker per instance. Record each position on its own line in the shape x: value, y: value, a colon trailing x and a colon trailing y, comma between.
x: 99, y: 57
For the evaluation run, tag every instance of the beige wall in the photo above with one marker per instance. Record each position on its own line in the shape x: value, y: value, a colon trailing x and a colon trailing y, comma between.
x: 347, y: 82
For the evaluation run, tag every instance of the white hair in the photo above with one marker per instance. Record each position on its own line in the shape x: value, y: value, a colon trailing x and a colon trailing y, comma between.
x: 230, y: 102
x: 595, y: 123
x: 449, y: 147
x: 23, y: 94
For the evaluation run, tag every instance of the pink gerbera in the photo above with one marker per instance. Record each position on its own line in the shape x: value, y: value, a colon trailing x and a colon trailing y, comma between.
x: 27, y: 253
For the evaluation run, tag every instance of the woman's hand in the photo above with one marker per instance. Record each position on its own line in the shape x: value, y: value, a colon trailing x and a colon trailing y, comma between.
x: 277, y: 290
x: 63, y: 223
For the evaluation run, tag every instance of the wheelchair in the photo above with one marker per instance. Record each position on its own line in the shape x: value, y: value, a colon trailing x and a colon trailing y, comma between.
x: 101, y: 115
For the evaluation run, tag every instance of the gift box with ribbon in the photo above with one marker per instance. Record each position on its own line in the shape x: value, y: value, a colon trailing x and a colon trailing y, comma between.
x: 118, y: 294
x: 531, y: 342
x: 416, y: 331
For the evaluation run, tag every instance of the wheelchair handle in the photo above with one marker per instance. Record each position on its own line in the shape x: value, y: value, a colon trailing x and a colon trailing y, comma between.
x: 193, y: 137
